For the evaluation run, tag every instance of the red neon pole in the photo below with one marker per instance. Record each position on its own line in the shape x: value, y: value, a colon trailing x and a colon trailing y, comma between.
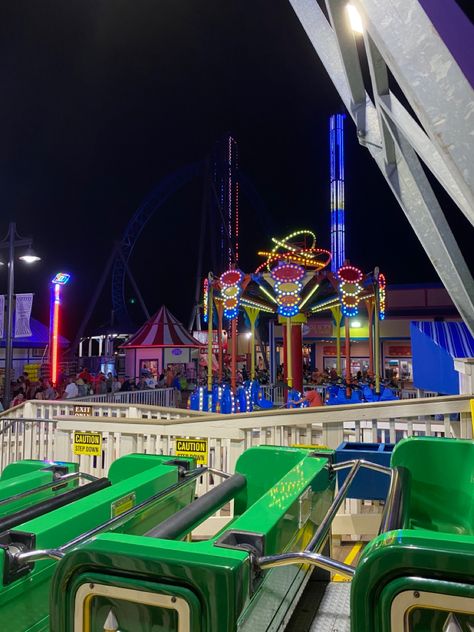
x: 233, y: 360
x: 297, y: 355
x: 60, y: 279
x: 54, y: 333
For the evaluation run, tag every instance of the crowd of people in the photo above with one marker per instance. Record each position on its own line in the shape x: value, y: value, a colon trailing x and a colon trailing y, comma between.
x: 85, y: 383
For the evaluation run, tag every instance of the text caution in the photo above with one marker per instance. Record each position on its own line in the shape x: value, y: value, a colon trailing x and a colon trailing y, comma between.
x: 89, y: 443
x: 195, y: 448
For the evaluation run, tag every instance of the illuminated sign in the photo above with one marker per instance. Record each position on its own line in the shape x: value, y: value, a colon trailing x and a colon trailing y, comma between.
x: 61, y: 278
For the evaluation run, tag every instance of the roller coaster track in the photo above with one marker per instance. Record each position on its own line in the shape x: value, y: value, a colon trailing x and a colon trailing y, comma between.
x: 160, y: 194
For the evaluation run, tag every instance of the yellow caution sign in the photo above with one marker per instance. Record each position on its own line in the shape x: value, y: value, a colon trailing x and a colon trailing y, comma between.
x: 122, y: 505
x: 472, y: 417
x: 195, y: 448
x: 89, y: 443
x: 307, y: 446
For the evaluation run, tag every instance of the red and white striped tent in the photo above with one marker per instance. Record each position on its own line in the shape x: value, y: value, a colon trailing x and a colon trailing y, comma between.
x: 162, y: 330
x: 161, y: 341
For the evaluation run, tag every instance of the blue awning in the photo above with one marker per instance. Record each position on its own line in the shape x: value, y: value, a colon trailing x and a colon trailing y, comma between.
x: 455, y: 338
x: 434, y: 345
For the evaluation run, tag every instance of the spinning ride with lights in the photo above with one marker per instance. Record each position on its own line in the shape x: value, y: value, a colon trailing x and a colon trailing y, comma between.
x: 292, y: 283
x: 283, y: 285
x: 290, y: 277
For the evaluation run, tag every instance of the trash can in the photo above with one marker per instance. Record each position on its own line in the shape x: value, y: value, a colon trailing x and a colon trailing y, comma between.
x: 367, y: 484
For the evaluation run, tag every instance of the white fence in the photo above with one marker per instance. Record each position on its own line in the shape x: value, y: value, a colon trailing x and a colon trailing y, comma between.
x: 167, y: 397
x: 126, y: 429
x: 52, y: 409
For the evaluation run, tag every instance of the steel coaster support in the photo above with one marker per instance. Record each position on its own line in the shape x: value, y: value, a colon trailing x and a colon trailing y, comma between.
x: 442, y: 99
x: 137, y: 223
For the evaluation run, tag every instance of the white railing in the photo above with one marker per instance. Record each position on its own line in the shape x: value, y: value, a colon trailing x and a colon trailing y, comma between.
x: 45, y: 409
x: 29, y: 436
x: 415, y: 393
x: 151, y: 397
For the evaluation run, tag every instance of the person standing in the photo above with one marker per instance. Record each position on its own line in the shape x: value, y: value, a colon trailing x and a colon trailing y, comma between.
x: 48, y: 391
x: 169, y: 377
x: 109, y: 382
x: 176, y: 384
x: 71, y: 389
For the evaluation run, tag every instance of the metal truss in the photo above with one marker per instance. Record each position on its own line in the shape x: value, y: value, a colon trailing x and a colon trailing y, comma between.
x: 399, y: 37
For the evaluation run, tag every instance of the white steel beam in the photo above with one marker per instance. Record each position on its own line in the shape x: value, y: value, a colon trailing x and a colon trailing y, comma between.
x: 415, y: 195
x: 392, y: 135
x: 426, y: 150
x: 325, y: 43
x: 435, y: 86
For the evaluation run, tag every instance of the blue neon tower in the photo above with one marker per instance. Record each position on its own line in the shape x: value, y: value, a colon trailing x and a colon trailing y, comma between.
x: 338, y: 231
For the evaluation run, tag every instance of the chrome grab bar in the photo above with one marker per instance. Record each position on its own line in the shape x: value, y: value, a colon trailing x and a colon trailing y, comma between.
x: 61, y: 480
x: 221, y: 473
x: 312, y: 553
x: 39, y: 554
x: 315, y: 559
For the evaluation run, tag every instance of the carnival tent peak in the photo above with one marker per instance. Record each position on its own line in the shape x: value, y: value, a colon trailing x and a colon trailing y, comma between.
x: 162, y: 330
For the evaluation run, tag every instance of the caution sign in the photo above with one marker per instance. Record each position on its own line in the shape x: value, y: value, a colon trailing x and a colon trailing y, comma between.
x: 122, y: 505
x: 195, y: 448
x: 89, y: 443
x: 82, y: 411
x: 309, y: 446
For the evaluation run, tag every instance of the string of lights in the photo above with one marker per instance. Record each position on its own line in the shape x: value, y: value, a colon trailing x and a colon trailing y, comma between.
x: 230, y: 283
x: 205, y: 301
x: 382, y: 296
x: 349, y: 289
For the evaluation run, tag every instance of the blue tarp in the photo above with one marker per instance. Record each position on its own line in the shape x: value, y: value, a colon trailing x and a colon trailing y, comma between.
x: 434, y: 346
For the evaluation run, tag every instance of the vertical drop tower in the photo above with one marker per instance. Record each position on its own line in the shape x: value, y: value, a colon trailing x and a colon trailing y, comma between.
x: 336, y: 159
x: 226, y: 164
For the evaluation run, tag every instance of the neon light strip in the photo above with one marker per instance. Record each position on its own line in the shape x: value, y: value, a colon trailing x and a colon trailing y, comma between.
x: 263, y: 308
x: 54, y: 337
x: 294, y: 259
x: 306, y: 298
x: 325, y: 305
x: 267, y: 293
x: 282, y: 244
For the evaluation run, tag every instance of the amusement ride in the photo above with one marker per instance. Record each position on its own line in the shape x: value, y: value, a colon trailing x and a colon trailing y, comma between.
x: 108, y: 525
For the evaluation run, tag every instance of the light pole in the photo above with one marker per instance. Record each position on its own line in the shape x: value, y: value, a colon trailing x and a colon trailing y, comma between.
x: 10, y: 242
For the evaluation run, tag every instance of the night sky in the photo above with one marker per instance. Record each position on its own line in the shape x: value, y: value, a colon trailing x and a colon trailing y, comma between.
x: 102, y: 99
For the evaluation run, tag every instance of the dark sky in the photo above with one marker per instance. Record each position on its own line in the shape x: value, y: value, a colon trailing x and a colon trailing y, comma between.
x: 102, y: 99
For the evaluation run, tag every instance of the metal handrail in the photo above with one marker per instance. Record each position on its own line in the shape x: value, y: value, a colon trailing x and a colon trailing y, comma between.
x: 59, y: 552
x: 57, y: 481
x: 312, y: 554
x: 390, y: 502
x: 315, y: 559
x: 221, y: 473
